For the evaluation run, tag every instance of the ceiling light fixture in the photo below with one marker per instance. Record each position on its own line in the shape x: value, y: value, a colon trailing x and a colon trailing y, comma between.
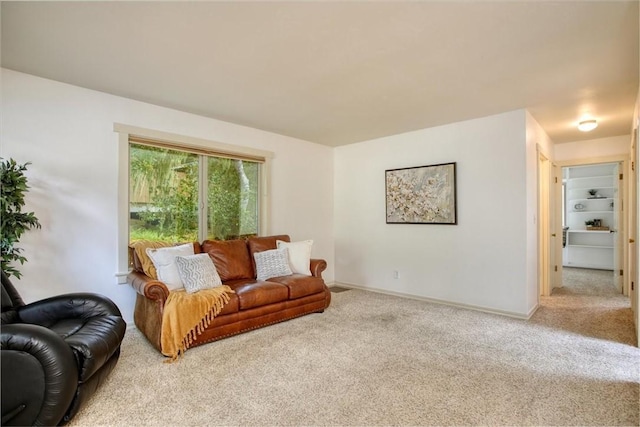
x: 587, y: 125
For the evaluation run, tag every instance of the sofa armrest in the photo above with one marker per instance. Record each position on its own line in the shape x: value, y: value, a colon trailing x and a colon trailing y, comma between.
x: 150, y: 288
x: 39, y: 375
x: 317, y: 267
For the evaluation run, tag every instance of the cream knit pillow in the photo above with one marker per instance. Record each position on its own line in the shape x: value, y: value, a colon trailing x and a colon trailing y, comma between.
x: 299, y: 255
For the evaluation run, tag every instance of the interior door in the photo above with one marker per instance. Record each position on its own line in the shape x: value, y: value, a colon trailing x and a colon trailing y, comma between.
x: 632, y: 253
x: 544, y: 227
x: 556, y: 221
x: 634, y: 292
x: 618, y: 259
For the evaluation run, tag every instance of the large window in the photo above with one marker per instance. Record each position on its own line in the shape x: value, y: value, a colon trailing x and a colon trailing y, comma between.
x: 180, y: 188
x: 181, y: 195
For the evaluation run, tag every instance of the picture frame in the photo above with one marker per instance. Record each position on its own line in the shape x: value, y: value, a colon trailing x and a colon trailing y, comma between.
x: 422, y: 195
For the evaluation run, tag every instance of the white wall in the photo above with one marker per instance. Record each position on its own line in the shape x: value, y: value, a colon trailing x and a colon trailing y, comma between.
x: 67, y: 134
x: 593, y: 148
x: 488, y: 260
x: 483, y: 261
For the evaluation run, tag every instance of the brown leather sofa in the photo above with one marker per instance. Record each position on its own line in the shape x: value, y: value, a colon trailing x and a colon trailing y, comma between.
x: 253, y: 305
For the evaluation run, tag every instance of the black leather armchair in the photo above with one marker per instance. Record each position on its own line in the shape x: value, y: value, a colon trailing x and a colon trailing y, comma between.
x: 55, y: 353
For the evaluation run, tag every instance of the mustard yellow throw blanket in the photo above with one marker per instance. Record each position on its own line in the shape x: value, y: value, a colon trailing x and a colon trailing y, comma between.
x: 186, y: 315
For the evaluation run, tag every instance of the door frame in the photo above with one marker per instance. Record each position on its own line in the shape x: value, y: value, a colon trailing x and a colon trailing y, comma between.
x: 633, y: 235
x: 545, y: 200
x: 623, y: 228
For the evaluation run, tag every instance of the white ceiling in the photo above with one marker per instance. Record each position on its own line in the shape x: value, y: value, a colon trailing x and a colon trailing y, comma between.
x: 342, y: 72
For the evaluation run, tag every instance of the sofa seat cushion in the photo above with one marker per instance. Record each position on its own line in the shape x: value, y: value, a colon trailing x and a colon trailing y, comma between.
x: 253, y: 294
x: 232, y: 306
x: 300, y: 285
x: 92, y: 340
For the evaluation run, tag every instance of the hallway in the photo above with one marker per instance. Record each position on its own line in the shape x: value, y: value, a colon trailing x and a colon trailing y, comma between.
x: 586, y: 281
x: 588, y: 304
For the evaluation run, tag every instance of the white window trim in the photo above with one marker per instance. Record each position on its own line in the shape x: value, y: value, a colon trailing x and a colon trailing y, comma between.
x: 127, y: 131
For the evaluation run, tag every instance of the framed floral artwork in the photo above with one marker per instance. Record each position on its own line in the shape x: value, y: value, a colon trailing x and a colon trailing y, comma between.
x: 422, y: 195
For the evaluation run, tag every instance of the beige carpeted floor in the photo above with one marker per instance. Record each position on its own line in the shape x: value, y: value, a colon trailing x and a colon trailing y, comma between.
x: 374, y: 359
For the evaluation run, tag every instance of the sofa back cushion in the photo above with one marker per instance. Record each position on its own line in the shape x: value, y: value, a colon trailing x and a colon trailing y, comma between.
x: 260, y: 244
x: 231, y: 258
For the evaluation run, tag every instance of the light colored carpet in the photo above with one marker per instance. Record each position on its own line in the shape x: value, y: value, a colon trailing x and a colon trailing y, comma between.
x: 373, y: 359
x: 589, y: 304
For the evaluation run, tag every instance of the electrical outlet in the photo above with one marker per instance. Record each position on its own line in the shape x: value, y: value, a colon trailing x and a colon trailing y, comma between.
x: 395, y: 274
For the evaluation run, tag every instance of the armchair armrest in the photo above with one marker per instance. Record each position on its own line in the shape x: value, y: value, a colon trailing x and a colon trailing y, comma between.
x: 39, y: 375
x: 80, y: 305
x: 150, y: 288
x: 317, y: 267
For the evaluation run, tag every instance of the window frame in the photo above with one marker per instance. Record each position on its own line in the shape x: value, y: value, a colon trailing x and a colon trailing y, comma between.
x: 128, y: 134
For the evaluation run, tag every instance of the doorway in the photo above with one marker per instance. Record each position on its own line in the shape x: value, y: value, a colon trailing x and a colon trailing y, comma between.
x: 592, y: 226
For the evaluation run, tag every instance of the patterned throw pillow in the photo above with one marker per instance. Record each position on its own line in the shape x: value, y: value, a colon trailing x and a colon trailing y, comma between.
x: 197, y: 272
x: 272, y: 263
x: 164, y: 259
x: 299, y: 255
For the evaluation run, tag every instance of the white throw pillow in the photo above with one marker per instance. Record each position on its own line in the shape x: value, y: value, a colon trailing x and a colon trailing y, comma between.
x: 272, y: 263
x: 164, y: 259
x: 299, y: 255
x: 197, y: 272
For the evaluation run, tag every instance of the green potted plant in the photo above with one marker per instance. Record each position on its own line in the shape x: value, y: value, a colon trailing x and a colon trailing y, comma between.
x: 14, y: 222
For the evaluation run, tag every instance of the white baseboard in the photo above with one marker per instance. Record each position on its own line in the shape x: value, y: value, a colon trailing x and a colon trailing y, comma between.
x: 438, y: 301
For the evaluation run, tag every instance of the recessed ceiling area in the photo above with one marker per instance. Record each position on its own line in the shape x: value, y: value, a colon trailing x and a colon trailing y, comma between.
x: 336, y: 73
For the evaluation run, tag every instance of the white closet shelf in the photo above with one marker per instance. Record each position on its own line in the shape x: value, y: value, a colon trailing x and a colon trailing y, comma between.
x: 599, y: 187
x: 591, y: 246
x: 593, y: 212
x: 580, y: 178
x: 590, y: 198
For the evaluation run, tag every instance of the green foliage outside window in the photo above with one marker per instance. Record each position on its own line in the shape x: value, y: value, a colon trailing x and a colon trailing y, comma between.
x: 164, y: 195
x: 232, y: 198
